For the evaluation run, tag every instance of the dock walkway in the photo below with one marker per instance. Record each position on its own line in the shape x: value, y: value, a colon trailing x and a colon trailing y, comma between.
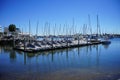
x: 48, y: 47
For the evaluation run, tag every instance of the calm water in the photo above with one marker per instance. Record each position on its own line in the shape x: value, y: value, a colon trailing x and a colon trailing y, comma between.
x: 96, y: 62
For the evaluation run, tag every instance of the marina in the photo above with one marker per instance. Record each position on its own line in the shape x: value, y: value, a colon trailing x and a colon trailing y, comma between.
x: 97, y: 62
x: 46, y: 45
x: 59, y: 39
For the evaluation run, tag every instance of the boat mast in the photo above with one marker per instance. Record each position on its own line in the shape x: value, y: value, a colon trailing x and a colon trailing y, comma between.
x: 98, y: 26
x: 73, y: 26
x: 59, y: 30
x: 84, y: 29
x: 49, y: 28
x: 29, y: 30
x: 54, y: 28
x: 89, y: 20
x: 37, y: 29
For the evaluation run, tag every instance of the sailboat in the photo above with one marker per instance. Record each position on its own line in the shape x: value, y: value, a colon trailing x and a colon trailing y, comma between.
x: 94, y: 37
x: 106, y: 40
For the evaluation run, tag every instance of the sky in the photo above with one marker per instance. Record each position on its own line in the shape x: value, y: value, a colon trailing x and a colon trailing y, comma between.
x: 47, y: 13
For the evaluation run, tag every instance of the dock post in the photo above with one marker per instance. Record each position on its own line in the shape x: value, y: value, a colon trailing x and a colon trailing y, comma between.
x: 24, y: 43
x: 13, y: 42
x: 78, y: 40
x: 87, y: 40
x: 67, y: 41
x: 52, y: 42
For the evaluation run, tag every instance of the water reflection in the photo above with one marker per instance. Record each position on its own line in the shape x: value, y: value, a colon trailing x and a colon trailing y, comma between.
x: 106, y: 46
x: 67, y: 56
x: 12, y: 55
x: 6, y: 49
x: 97, y: 55
x: 81, y: 59
x: 25, y: 57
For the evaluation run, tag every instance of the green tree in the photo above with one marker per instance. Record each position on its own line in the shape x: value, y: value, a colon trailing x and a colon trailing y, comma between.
x: 12, y: 27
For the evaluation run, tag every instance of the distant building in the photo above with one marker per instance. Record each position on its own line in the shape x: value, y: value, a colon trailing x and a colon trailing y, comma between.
x: 6, y: 30
x: 0, y: 28
x: 18, y: 30
x: 0, y: 31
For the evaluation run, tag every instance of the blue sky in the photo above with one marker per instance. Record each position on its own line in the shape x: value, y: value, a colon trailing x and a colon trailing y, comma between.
x: 19, y: 12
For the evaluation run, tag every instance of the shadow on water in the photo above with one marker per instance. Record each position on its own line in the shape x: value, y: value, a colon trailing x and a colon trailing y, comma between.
x: 106, y: 46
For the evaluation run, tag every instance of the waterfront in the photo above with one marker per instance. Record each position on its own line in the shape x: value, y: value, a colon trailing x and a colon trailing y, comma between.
x: 95, y: 62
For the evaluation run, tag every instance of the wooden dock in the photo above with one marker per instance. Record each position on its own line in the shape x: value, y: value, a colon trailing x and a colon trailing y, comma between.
x: 40, y: 49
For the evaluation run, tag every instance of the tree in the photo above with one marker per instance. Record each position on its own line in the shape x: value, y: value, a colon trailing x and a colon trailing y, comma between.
x: 12, y: 27
x: 1, y: 34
